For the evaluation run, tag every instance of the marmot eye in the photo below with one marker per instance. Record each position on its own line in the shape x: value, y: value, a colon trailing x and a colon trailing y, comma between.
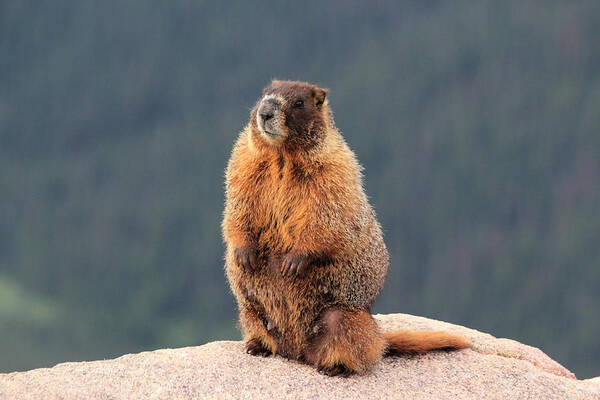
x: 298, y: 104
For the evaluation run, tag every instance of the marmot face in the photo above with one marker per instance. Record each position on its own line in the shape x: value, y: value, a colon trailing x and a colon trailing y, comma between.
x: 292, y: 115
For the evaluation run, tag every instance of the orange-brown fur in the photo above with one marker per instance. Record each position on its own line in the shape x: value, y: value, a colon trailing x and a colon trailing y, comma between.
x: 305, y: 256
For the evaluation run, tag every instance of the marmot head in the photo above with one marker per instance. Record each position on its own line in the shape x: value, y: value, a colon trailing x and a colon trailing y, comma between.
x: 293, y: 115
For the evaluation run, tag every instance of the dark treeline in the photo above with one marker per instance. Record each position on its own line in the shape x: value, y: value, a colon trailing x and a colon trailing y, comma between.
x: 477, y: 124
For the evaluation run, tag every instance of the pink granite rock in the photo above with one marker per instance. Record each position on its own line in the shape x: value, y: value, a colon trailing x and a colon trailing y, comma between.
x: 492, y: 369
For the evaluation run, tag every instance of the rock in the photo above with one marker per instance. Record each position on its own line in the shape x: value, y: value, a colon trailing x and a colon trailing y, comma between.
x: 483, y: 343
x: 492, y: 369
x: 595, y: 381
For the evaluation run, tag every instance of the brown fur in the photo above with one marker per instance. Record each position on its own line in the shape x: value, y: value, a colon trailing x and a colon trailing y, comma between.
x: 305, y: 256
x: 417, y: 342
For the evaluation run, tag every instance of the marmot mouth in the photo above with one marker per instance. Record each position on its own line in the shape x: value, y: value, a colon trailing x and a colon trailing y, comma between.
x: 271, y: 133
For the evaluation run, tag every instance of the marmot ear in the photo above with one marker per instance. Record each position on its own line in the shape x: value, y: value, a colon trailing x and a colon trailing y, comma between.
x: 320, y: 95
x: 270, y: 85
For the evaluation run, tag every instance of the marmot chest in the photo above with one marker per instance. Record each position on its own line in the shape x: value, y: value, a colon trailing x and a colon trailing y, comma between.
x: 279, y: 199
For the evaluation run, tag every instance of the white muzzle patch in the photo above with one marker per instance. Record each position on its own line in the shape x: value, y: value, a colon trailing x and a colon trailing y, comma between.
x: 269, y: 118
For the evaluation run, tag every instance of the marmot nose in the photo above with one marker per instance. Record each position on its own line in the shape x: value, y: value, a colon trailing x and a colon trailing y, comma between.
x: 267, y: 109
x: 266, y: 115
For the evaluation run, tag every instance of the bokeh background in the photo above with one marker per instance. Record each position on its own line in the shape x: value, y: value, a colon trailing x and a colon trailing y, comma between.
x: 477, y: 123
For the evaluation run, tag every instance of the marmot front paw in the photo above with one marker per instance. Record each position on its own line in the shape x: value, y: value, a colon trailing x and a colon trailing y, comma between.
x: 295, y: 264
x: 246, y: 257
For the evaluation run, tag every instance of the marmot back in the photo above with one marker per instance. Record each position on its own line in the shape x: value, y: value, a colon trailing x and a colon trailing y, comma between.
x: 305, y: 256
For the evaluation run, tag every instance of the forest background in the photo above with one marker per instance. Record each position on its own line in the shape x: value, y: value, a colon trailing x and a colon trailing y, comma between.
x: 476, y: 122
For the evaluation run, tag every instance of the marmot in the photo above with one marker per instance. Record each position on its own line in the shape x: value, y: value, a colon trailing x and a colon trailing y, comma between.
x: 305, y: 255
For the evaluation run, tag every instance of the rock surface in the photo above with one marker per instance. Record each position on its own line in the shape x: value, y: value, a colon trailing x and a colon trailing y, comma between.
x: 492, y: 369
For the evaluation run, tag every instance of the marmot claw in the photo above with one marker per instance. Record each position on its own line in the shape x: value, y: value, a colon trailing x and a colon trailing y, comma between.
x: 255, y: 347
x: 246, y: 257
x: 295, y: 264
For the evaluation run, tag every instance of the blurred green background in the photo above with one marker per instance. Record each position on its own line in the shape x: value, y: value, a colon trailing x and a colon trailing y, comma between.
x: 477, y: 123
